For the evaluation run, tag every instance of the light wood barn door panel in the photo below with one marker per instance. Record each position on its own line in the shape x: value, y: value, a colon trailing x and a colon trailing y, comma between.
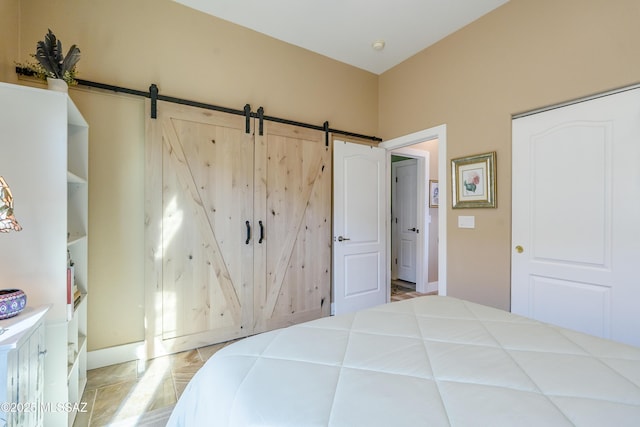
x: 293, y: 201
x: 200, y: 198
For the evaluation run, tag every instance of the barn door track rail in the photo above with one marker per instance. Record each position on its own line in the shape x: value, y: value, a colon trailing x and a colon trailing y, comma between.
x: 154, y: 95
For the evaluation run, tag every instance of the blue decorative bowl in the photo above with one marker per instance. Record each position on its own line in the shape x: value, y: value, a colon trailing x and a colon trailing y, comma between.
x: 12, y: 302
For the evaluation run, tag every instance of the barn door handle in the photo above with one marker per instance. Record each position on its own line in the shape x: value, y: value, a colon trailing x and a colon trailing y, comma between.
x: 248, y: 224
x: 261, y: 232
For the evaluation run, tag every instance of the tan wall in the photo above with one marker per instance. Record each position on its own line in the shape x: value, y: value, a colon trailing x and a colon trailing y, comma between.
x: 9, y: 45
x: 433, y: 146
x: 189, y: 55
x: 524, y: 55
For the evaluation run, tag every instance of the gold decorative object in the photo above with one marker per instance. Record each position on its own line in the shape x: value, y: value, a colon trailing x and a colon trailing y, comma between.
x: 8, y: 221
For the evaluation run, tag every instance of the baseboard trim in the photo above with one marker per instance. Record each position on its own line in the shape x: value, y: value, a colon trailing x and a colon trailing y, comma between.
x: 432, y: 287
x: 137, y: 350
x: 117, y: 354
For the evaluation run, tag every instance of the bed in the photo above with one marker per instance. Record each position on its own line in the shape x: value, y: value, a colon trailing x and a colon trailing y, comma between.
x: 427, y: 361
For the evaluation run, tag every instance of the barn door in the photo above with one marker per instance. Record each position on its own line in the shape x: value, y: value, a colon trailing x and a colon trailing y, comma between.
x: 292, y: 250
x: 198, y: 214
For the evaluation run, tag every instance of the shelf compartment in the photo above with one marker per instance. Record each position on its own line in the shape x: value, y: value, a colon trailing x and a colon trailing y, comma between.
x: 72, y: 178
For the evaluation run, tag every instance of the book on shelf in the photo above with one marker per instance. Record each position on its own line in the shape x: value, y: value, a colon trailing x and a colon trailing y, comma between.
x: 73, y: 295
x: 77, y: 296
x: 71, y: 290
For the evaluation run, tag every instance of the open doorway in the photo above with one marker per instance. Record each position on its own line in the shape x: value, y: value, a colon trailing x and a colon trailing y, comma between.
x: 429, y: 148
x: 414, y: 218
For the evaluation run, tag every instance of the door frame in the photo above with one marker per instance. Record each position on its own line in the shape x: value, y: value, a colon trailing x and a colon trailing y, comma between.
x: 439, y: 133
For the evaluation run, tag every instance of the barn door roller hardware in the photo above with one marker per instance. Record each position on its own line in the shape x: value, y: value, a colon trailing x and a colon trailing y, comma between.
x: 153, y: 94
x: 260, y: 121
x: 247, y: 120
x: 326, y: 133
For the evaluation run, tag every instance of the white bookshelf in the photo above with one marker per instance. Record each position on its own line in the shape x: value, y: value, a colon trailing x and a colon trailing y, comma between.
x: 77, y: 236
x: 45, y: 161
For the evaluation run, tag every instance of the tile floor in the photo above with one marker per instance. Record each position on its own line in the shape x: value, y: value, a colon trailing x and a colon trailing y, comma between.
x: 401, y: 290
x: 118, y: 394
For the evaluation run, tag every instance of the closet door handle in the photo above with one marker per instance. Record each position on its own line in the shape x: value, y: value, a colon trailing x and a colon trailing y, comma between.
x: 261, y: 231
x: 248, y: 224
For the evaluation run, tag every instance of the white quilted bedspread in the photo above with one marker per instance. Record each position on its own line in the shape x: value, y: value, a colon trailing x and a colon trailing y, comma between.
x: 429, y: 361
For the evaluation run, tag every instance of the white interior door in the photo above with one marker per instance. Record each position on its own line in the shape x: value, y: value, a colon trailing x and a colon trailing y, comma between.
x: 576, y: 204
x: 405, y: 221
x: 359, y: 237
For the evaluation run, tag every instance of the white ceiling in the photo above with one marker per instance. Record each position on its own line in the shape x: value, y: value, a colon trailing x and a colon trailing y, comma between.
x: 345, y: 29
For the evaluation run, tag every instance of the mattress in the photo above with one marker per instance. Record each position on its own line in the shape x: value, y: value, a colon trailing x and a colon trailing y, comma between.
x: 428, y: 361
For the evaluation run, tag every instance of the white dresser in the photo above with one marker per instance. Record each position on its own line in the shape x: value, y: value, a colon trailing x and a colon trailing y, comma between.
x: 22, y: 352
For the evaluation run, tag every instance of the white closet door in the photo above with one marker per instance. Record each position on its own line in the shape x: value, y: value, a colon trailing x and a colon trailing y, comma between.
x: 576, y: 204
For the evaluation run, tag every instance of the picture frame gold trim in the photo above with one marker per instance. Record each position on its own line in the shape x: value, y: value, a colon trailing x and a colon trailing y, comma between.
x: 473, y: 181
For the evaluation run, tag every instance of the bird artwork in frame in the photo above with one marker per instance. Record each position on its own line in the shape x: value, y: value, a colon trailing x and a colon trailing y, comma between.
x: 474, y: 181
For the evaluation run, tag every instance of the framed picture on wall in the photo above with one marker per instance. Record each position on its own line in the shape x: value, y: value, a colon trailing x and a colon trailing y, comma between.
x: 433, y: 193
x: 473, y: 181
